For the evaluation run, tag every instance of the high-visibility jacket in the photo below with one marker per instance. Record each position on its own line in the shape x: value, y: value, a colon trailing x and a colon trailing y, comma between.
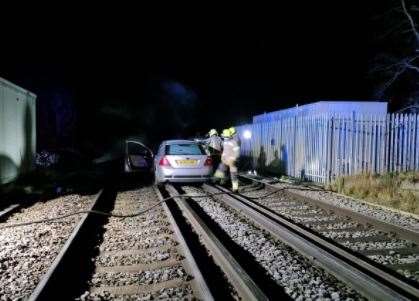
x: 231, y: 151
x: 215, y: 142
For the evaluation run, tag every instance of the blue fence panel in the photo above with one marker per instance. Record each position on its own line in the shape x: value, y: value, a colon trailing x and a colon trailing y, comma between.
x: 321, y: 147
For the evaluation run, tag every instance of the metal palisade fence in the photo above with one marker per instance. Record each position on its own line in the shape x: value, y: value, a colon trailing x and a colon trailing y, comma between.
x: 322, y: 147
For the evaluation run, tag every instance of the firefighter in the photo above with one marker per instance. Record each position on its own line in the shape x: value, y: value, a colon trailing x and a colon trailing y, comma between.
x: 214, y: 142
x: 234, y: 135
x: 214, y: 145
x: 229, y: 157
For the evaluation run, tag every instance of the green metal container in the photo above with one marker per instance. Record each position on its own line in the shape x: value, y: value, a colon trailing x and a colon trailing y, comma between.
x: 17, y: 131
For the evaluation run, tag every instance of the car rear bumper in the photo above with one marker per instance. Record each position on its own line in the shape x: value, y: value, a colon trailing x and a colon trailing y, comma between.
x: 186, y: 179
x: 185, y: 174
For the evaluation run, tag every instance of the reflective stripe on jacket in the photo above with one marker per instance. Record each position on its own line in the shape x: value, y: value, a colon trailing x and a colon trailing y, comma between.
x: 215, y: 142
x: 231, y: 151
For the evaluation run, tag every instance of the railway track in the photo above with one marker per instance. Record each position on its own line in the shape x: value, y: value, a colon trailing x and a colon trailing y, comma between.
x: 371, y: 279
x: 168, y: 252
x: 143, y: 256
x: 361, y: 241
x: 27, y: 251
x: 280, y: 271
x: 387, y: 244
x: 160, y: 254
x: 208, y: 243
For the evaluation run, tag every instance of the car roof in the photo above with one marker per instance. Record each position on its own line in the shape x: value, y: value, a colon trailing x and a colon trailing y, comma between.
x: 168, y: 142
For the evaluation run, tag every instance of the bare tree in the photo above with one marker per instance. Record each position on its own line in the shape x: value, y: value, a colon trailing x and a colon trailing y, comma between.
x: 397, y: 68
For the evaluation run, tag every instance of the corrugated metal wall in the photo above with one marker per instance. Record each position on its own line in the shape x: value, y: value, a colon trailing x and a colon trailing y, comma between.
x: 323, y: 147
x: 17, y: 131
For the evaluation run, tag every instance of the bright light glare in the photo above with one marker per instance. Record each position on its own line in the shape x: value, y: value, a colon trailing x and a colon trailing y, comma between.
x: 247, y: 134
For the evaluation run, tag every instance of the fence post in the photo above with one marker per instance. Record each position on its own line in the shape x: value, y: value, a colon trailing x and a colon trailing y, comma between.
x: 352, y: 156
x: 330, y: 141
x: 294, y: 150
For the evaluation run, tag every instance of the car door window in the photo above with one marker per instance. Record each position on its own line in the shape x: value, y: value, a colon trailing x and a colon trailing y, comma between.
x: 137, y: 149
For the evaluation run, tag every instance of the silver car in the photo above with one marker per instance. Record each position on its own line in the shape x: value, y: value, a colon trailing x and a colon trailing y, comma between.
x: 182, y: 161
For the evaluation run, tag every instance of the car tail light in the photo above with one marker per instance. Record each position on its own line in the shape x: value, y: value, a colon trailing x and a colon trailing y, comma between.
x: 208, y: 161
x: 164, y: 162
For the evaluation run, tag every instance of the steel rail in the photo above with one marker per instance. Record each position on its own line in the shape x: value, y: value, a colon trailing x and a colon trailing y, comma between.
x: 242, y: 282
x: 42, y: 290
x: 199, y: 284
x: 369, y: 280
x: 6, y: 211
x: 379, y: 224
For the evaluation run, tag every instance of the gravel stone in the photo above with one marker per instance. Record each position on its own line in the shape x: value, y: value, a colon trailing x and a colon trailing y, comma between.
x: 144, y: 243
x: 350, y: 234
x: 300, y: 279
x: 335, y: 226
x: 413, y: 275
x: 382, y: 214
x: 395, y: 259
x: 357, y: 239
x: 390, y: 244
x: 115, y: 260
x: 146, y: 232
x: 27, y: 252
x: 178, y: 293
x: 145, y: 277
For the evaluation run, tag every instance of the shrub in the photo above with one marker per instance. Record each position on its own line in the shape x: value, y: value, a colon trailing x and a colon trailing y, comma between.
x: 381, y: 189
x: 408, y: 201
x: 410, y: 177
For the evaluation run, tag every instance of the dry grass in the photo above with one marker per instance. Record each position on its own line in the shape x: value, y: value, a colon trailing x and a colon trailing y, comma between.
x: 381, y: 189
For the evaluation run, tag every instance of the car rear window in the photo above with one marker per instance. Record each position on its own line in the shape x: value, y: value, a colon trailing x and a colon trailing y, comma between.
x: 184, y: 149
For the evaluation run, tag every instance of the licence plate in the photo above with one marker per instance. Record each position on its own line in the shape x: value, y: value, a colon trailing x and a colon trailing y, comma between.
x: 186, y: 162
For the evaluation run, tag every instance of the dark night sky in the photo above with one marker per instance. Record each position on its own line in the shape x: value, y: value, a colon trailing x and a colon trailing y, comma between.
x: 230, y: 64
